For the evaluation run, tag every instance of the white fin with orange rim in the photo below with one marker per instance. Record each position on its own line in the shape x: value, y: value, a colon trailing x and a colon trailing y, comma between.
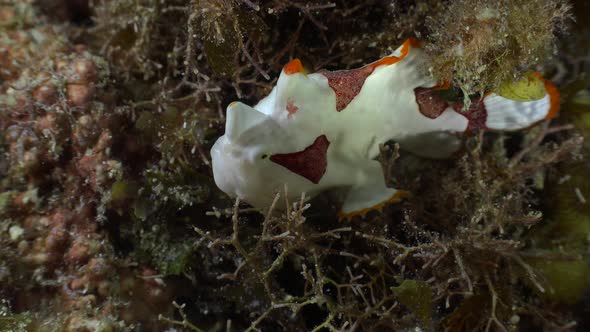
x: 521, y: 104
x: 369, y: 193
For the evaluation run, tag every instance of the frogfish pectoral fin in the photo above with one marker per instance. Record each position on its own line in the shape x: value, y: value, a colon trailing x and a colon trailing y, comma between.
x: 361, y: 201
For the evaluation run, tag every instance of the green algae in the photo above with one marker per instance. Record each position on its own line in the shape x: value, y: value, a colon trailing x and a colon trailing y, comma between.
x: 566, y: 279
x: 417, y: 296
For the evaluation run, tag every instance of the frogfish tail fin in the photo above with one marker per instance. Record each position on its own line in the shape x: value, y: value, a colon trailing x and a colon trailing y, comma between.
x: 520, y: 104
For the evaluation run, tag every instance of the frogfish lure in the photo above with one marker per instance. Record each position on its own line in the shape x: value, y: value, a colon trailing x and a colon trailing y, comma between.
x: 323, y: 130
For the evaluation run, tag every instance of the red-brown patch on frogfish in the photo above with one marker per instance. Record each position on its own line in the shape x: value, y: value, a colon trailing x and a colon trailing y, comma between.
x: 291, y: 108
x: 476, y: 114
x: 430, y: 104
x: 310, y: 163
x: 347, y: 84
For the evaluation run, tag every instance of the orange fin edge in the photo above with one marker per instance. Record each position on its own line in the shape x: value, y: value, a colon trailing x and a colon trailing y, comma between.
x: 553, y: 92
x: 389, y: 60
x: 293, y: 67
x: 397, y: 197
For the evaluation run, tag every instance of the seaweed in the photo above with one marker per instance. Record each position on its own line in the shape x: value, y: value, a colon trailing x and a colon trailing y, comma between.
x: 481, y: 44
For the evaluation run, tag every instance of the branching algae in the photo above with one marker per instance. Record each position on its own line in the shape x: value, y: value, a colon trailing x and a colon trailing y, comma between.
x: 110, y: 218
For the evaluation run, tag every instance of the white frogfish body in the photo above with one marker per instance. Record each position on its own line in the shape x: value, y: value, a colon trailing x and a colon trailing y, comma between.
x: 323, y: 130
